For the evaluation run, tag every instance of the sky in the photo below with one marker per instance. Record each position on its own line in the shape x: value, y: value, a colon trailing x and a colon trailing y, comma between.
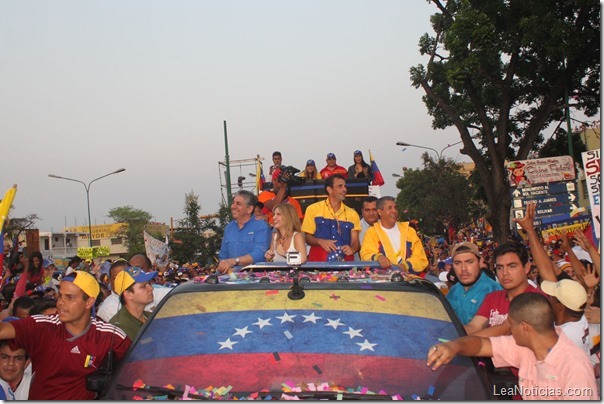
x: 89, y: 87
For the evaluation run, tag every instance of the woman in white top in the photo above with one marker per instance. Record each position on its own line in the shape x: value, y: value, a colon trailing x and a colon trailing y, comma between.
x: 287, y: 235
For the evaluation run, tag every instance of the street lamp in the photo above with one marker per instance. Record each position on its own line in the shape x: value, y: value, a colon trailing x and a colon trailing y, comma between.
x: 87, y: 187
x: 439, y: 155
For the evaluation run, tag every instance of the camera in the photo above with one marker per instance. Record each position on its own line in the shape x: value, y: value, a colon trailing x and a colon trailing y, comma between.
x: 288, y: 176
x: 293, y: 258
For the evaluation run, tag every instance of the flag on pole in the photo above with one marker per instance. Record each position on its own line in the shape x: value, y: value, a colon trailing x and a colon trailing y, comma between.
x: 6, y: 203
x: 259, y: 177
x: 377, y: 175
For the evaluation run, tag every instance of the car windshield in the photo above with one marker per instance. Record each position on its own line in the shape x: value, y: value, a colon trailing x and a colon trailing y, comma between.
x: 342, y: 340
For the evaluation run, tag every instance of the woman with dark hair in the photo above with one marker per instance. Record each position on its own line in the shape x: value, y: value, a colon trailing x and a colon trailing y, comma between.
x: 360, y: 169
x: 32, y: 272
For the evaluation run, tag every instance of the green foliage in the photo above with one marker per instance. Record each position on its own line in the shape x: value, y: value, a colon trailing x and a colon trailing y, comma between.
x: 199, y: 239
x: 189, y: 231
x: 499, y: 72
x: 437, y: 195
x: 135, y: 221
x: 557, y: 145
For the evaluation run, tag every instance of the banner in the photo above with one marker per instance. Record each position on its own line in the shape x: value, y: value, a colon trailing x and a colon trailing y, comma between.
x: 94, y: 252
x: 591, y: 165
x: 157, y: 251
x: 99, y: 231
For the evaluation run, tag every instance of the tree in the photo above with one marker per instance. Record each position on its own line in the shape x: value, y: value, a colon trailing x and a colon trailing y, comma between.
x: 557, y: 145
x: 214, y: 231
x: 134, y: 221
x: 189, y: 231
x: 438, y: 195
x: 504, y: 68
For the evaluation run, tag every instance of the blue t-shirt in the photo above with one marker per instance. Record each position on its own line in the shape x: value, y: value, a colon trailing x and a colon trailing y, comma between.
x: 466, y: 303
x: 253, y: 238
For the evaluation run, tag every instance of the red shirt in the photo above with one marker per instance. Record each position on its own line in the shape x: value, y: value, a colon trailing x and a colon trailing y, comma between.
x: 496, y: 305
x: 327, y: 171
x: 61, y: 361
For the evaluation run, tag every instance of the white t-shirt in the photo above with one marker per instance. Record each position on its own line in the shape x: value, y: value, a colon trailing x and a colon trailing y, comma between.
x: 22, y: 392
x: 578, y: 333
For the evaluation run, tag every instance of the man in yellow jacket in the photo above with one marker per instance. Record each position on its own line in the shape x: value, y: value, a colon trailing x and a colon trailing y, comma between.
x: 393, y: 243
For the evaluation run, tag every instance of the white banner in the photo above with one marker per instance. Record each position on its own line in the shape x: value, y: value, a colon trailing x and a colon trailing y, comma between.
x: 157, y: 251
x: 591, y: 165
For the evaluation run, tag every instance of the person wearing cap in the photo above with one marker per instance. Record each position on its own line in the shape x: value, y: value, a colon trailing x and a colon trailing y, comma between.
x: 279, y: 194
x: 360, y: 169
x: 512, y: 267
x: 473, y: 285
x: 331, y: 228
x: 332, y: 168
x: 568, y: 299
x: 48, y: 281
x: 310, y: 172
x: 245, y: 239
x: 392, y: 243
x: 549, y: 364
x: 110, y: 305
x: 67, y: 347
x: 135, y: 291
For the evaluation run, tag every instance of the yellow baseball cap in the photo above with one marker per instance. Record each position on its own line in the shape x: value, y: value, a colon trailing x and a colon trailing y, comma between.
x: 84, y: 281
x: 129, y: 277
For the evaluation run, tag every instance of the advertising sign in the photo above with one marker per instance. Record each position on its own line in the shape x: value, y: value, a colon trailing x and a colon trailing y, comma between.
x: 591, y: 165
x: 538, y: 171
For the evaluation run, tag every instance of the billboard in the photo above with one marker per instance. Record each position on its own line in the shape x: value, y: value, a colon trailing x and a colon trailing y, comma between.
x: 591, y: 165
x: 538, y: 171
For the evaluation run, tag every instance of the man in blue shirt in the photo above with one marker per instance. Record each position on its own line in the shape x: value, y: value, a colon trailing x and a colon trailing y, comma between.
x: 467, y: 295
x: 245, y: 239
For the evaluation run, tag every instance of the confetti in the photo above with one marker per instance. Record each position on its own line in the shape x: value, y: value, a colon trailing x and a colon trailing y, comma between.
x: 397, y: 397
x: 339, y: 397
x: 288, y: 397
x: 138, y: 384
x: 415, y: 396
x: 200, y: 308
x: 146, y: 340
x: 272, y: 292
x: 431, y: 390
x: 443, y: 340
x: 317, y: 304
x: 311, y: 387
x: 276, y: 356
x: 268, y: 397
x: 318, y: 370
x: 382, y: 298
x: 288, y: 334
x: 334, y: 296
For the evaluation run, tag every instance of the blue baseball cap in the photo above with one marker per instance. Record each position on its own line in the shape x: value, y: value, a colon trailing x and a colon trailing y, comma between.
x: 310, y: 162
x: 331, y: 156
x: 129, y: 277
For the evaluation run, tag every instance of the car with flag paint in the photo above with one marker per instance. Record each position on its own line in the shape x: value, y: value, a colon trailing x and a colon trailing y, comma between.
x: 344, y: 330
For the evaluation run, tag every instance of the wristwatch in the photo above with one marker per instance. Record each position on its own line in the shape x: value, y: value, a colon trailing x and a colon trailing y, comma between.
x: 237, y: 261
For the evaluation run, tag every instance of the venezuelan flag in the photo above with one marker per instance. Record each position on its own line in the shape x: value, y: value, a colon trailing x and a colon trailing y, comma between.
x: 257, y: 340
x: 377, y: 175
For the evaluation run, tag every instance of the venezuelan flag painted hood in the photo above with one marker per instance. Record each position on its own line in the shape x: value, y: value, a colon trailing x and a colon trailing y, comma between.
x: 242, y: 344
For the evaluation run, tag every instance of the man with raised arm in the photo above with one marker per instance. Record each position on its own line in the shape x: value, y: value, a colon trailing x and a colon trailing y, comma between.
x: 67, y: 347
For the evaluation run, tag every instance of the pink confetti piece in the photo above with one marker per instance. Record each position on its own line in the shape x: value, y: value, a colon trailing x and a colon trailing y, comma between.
x: 311, y: 387
x: 382, y: 298
x: 137, y: 398
x: 287, y: 397
x: 138, y: 384
x: 272, y: 292
x: 185, y: 395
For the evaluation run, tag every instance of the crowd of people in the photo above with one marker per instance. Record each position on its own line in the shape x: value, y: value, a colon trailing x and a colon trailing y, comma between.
x: 528, y: 308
